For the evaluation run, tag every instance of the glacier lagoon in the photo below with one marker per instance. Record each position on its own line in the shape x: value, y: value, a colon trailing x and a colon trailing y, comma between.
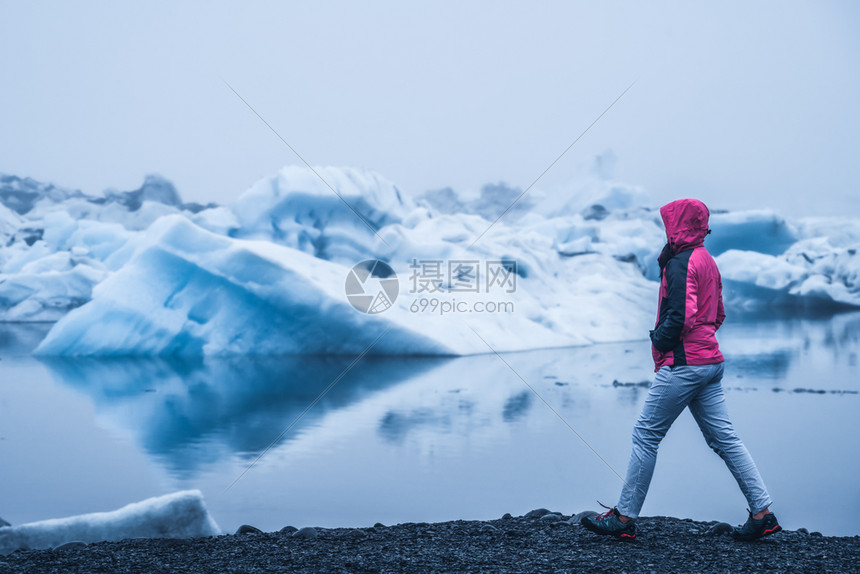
x: 87, y: 283
x: 400, y: 439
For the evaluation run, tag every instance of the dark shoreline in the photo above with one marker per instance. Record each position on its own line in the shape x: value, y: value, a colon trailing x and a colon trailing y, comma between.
x: 510, y: 544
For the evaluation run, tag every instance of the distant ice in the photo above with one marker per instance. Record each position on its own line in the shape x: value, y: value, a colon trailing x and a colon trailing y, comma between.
x: 58, y: 243
x: 813, y: 274
x: 141, y: 273
x: 761, y: 231
x: 178, y: 515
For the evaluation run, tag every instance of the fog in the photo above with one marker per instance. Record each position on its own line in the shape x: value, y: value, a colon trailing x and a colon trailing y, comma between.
x: 742, y: 106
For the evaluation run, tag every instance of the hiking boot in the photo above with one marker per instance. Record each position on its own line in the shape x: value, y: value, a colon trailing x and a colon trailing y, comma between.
x: 610, y: 523
x: 754, y: 529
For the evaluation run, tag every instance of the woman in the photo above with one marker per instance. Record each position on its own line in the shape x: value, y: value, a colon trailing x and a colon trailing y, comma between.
x: 689, y: 369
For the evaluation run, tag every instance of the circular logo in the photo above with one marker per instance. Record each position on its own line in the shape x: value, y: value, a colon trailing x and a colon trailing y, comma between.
x: 372, y: 286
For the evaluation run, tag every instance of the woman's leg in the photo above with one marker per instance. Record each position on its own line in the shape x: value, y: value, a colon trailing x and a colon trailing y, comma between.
x: 669, y: 394
x: 709, y: 410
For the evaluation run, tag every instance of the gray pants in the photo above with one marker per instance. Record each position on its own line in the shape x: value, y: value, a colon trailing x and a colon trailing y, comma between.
x: 697, y: 387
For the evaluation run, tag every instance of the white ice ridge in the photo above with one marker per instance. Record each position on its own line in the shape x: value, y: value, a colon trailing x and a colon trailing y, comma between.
x: 178, y: 515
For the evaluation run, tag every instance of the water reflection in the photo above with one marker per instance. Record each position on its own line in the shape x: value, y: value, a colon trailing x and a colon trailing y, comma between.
x: 450, y: 428
x: 517, y: 406
x: 773, y: 365
x: 395, y: 425
x: 187, y: 413
x: 769, y: 349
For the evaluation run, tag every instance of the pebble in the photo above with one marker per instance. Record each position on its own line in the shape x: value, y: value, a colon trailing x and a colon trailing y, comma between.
x: 175, y: 541
x: 536, y: 513
x: 551, y: 517
x: 577, y: 519
x: 507, y: 516
x: 379, y: 525
x: 306, y: 532
x: 289, y: 529
x: 489, y: 528
x: 803, y: 530
x: 73, y: 545
x: 248, y: 529
x: 816, y: 533
x: 720, y: 528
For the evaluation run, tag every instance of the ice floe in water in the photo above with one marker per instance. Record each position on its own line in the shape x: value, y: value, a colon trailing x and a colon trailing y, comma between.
x: 178, y: 515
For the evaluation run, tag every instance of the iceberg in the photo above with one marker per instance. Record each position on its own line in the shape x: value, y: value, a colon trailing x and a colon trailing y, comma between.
x: 10, y: 222
x: 179, y: 515
x: 333, y: 215
x: 760, y: 231
x: 37, y: 295
x: 188, y: 291
x: 59, y: 243
x: 812, y: 274
x: 811, y: 264
x: 141, y: 273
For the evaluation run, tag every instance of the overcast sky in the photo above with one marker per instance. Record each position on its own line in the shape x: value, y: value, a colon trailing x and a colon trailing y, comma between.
x: 743, y: 105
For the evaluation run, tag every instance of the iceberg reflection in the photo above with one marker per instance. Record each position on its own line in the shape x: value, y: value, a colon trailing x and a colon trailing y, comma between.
x: 193, y: 415
x: 190, y: 413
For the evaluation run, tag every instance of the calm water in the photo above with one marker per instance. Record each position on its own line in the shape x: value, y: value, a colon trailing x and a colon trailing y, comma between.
x: 398, y: 440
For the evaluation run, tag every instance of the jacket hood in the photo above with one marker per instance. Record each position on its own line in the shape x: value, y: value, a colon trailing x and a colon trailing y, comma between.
x: 686, y: 222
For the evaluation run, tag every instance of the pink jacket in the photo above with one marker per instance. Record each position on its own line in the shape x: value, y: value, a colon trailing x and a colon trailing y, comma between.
x: 690, y: 309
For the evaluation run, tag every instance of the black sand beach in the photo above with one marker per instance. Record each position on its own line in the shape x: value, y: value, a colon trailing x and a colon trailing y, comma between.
x: 536, y: 542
